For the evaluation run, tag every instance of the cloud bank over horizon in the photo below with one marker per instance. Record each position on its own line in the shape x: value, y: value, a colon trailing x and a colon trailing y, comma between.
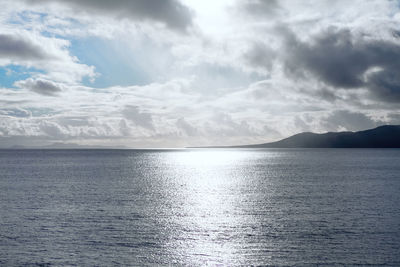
x: 169, y: 73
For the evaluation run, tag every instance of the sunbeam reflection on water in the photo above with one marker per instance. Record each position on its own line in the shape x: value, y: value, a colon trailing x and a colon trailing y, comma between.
x: 209, y: 184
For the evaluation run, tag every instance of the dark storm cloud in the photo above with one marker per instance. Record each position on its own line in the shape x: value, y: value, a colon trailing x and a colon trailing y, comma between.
x: 385, y: 84
x: 40, y: 86
x: 16, y: 47
x: 169, y: 12
x: 142, y: 119
x: 339, y: 59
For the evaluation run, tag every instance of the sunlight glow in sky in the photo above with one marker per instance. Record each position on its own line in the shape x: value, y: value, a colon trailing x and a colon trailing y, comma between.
x: 176, y: 73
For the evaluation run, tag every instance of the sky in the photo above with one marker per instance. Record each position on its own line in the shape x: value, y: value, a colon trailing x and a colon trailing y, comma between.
x: 170, y: 73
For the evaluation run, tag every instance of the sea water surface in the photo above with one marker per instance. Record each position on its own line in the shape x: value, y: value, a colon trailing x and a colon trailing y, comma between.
x: 278, y: 207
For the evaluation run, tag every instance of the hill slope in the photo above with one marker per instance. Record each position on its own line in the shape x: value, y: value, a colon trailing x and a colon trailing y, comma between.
x: 387, y: 136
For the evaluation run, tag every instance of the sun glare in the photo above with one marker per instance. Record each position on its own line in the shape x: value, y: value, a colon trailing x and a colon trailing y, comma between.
x: 207, y: 191
x: 209, y: 158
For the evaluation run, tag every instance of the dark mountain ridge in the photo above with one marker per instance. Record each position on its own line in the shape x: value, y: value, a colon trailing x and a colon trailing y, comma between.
x: 387, y: 136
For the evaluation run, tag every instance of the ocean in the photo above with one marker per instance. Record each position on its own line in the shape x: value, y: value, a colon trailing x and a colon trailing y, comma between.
x: 193, y: 207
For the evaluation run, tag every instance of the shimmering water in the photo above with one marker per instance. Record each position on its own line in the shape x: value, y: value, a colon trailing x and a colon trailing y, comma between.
x: 197, y: 207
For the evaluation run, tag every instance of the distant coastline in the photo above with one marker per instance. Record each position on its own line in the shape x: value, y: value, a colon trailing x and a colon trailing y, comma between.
x: 387, y: 136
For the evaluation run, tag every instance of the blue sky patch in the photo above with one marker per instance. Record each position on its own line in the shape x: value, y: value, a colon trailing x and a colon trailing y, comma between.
x: 114, y: 66
x: 13, y: 73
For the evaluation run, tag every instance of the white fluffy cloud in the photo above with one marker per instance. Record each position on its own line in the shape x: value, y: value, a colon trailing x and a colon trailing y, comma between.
x: 48, y: 56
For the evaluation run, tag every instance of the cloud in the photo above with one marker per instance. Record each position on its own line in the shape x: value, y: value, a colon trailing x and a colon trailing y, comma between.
x: 16, y: 112
x: 48, y: 56
x: 20, y: 48
x: 222, y: 124
x: 40, y: 86
x: 348, y: 120
x: 124, y: 128
x: 237, y: 79
x: 171, y: 13
x: 385, y: 83
x: 260, y: 8
x: 142, y: 119
x: 394, y: 118
x: 186, y: 127
x: 342, y: 59
x: 52, y: 129
x: 260, y: 56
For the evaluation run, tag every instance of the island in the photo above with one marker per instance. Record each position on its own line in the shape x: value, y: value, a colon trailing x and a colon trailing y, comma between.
x: 387, y: 136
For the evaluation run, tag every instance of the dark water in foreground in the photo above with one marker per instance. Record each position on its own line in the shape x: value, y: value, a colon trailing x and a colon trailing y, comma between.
x: 198, y: 207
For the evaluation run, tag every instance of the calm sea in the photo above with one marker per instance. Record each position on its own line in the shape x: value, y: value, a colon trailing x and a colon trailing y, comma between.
x: 279, y: 207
